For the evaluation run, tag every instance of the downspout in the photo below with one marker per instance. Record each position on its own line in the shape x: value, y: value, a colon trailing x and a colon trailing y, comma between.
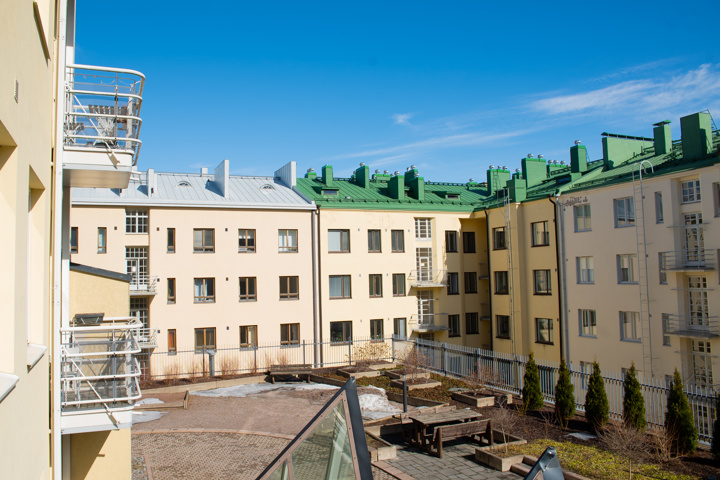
x: 560, y: 261
x: 316, y: 322
x: 318, y: 287
x: 487, y: 234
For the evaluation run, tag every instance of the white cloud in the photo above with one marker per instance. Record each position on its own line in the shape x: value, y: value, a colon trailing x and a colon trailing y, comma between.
x: 402, y: 118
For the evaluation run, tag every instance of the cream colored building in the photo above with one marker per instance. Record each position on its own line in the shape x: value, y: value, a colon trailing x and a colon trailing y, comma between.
x: 217, y: 260
x: 641, y: 265
x: 398, y: 255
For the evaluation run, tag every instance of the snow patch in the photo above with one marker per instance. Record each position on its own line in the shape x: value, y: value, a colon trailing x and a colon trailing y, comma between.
x: 375, y: 406
x: 142, y: 417
x: 148, y: 401
x: 257, y: 388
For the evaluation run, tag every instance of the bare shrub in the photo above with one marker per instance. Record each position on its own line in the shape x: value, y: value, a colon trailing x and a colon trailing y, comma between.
x: 413, y: 361
x: 282, y: 359
x: 196, y: 370
x: 172, y: 374
x: 548, y: 418
x: 369, y: 353
x: 480, y: 378
x: 659, y: 445
x: 229, y: 364
x: 626, y: 441
x: 505, y: 420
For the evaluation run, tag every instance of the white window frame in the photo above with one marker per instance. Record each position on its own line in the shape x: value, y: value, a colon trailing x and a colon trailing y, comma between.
x: 137, y: 221
x: 585, y: 270
x: 423, y: 229
x: 690, y: 191
x: 345, y: 286
x: 627, y: 269
x: 338, y: 238
x: 540, y: 234
x: 583, y: 218
x: 588, y: 323
x: 629, y: 327
x: 246, y: 237
x: 624, y: 211
x: 547, y: 329
x: 287, y: 242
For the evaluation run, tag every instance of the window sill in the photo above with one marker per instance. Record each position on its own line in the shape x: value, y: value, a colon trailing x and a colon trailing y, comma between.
x: 204, y: 301
x: 340, y: 298
x: 374, y: 251
x: 172, y: 353
x: 540, y: 245
x: 624, y: 226
x: 472, y: 333
x: 376, y: 296
x: 501, y: 293
x: 470, y: 253
x: 543, y: 294
x: 502, y: 338
x: 7, y: 383
x: 203, y: 251
x: 471, y: 292
x: 34, y: 354
x: 398, y: 295
x: 289, y: 299
x: 588, y: 336
x: 583, y: 231
x: 544, y: 343
x: 630, y: 340
x: 453, y: 293
x: 287, y: 251
x: 245, y: 300
x: 499, y: 248
x: 586, y: 283
x: 246, y: 251
x: 290, y: 345
x: 397, y: 251
x: 628, y: 283
x: 454, y: 336
x: 451, y: 251
x: 334, y: 251
x: 171, y: 302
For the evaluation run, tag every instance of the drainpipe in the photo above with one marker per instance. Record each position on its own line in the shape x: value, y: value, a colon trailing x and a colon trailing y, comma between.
x: 487, y: 233
x: 318, y: 289
x: 562, y: 281
x: 316, y: 319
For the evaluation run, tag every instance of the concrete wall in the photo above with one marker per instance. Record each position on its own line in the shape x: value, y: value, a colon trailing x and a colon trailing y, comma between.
x: 101, y: 455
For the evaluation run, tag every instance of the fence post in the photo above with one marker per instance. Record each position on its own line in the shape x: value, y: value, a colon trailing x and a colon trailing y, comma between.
x: 304, y: 352
x: 349, y: 353
x: 444, y: 359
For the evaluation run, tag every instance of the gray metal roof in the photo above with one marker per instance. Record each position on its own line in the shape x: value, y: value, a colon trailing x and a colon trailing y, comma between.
x: 190, y: 190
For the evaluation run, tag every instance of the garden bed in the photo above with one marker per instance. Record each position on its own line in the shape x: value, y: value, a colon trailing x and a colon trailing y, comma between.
x: 416, y: 384
x: 483, y: 398
x: 408, y: 372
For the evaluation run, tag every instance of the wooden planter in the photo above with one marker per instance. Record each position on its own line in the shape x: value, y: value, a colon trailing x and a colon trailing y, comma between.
x: 379, y: 453
x: 428, y: 384
x: 484, y: 400
x: 348, y: 374
x: 398, y: 376
x: 486, y: 455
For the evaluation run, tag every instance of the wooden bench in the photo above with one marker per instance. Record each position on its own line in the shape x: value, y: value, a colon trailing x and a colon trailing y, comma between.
x: 406, y: 424
x: 300, y: 370
x: 482, y: 429
x: 164, y: 406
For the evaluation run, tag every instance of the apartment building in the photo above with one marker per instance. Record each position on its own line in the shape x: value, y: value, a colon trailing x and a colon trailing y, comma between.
x: 639, y: 241
x: 399, y: 255
x: 215, y: 259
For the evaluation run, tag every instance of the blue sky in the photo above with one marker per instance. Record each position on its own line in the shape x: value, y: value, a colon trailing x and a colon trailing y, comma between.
x: 450, y: 87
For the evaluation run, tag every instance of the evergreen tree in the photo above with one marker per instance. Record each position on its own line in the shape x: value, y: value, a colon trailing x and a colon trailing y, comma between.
x: 597, y: 410
x: 715, y: 446
x: 531, y: 393
x: 679, y: 422
x: 633, y: 401
x: 564, y: 396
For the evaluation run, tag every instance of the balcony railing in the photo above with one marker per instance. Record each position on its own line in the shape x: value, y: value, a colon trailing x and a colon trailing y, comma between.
x: 692, y: 260
x: 693, y: 326
x: 99, y: 367
x: 427, y: 278
x: 102, y: 109
x: 143, y: 285
x: 428, y: 322
x: 147, y: 337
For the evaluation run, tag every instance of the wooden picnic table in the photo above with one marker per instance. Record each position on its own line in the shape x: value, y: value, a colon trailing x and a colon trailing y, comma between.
x: 428, y: 427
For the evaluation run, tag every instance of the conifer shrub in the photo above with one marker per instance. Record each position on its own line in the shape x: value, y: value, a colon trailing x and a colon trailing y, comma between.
x: 715, y: 445
x: 597, y: 410
x: 679, y: 423
x: 633, y: 401
x: 564, y: 396
x: 531, y: 393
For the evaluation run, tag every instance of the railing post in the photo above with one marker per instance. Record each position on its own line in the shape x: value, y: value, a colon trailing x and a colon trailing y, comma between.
x: 444, y: 359
x: 304, y: 352
x: 349, y: 353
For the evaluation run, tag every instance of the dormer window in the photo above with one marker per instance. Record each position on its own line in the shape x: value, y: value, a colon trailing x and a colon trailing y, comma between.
x: 183, y: 184
x: 267, y: 186
x: 329, y: 191
x: 452, y: 196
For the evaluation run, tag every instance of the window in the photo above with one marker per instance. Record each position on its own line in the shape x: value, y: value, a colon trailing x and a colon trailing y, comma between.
x: 666, y: 329
x: 374, y: 241
x: 690, y: 191
x: 338, y: 241
x: 375, y: 285
x: 399, y: 327
x: 468, y: 242
x: 170, y: 290
x: 501, y: 283
x: 287, y: 241
x: 503, y: 326
x: 376, y: 329
x: 658, y: 208
x: 541, y: 282
x: 289, y: 288
x: 470, y: 282
x: 423, y: 229
x: 102, y: 240
x: 540, y: 234
x: 170, y: 240
x: 248, y: 336
x: 472, y: 324
x: 248, y: 292
x: 204, y: 339
x: 398, y: 284
x: 73, y: 239
x: 203, y: 240
x: 140, y: 309
x: 204, y: 290
x: 585, y: 270
x: 341, y: 332
x: 454, y: 324
x: 340, y: 286
x: 246, y: 240
x: 582, y: 218
x: 398, y: 241
x: 716, y: 198
x: 588, y: 323
x: 701, y: 363
x: 499, y: 240
x: 624, y: 212
x: 629, y: 327
x: 172, y: 341
x: 544, y: 330
x: 661, y: 263
x: 290, y: 333
x: 626, y: 265
x: 451, y: 241
x: 452, y: 284
x: 136, y: 221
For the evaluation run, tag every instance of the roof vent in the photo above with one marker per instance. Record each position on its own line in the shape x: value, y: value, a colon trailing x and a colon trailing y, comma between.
x: 492, y: 167
x: 471, y: 180
x: 377, y: 171
x: 386, y: 172
x: 310, y: 170
x: 540, y: 155
x: 407, y: 169
x: 413, y: 167
x: 504, y: 167
x: 266, y: 188
x: 362, y: 164
x: 517, y: 170
x: 577, y: 142
x: 562, y: 162
x: 529, y: 155
x: 347, y: 198
x: 396, y: 173
x: 183, y: 183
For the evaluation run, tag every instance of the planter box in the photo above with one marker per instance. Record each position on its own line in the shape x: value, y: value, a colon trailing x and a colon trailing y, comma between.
x: 371, y: 373
x: 484, y: 401
x: 389, y: 429
x: 417, y: 386
x: 486, y: 457
x: 386, y: 452
x: 381, y: 366
x: 398, y: 376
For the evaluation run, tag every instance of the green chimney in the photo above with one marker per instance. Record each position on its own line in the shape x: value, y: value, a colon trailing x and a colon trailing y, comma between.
x: 517, y: 189
x: 661, y: 138
x: 578, y: 158
x: 327, y: 175
x: 534, y: 170
x: 496, y: 179
x: 696, y: 132
x: 362, y: 176
x: 396, y: 187
x: 416, y: 184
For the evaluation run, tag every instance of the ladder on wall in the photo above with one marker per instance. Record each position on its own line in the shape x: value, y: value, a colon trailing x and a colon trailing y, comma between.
x: 642, y: 258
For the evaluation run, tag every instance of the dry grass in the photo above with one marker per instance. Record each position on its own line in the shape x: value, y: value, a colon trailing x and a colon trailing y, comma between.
x: 172, y: 374
x: 229, y: 364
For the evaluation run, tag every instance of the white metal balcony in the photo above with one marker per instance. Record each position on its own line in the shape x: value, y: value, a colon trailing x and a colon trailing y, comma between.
x: 428, y: 322
x: 101, y: 125
x: 141, y: 285
x: 688, y: 260
x: 693, y: 326
x: 147, y: 337
x: 427, y: 278
x: 99, y: 374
